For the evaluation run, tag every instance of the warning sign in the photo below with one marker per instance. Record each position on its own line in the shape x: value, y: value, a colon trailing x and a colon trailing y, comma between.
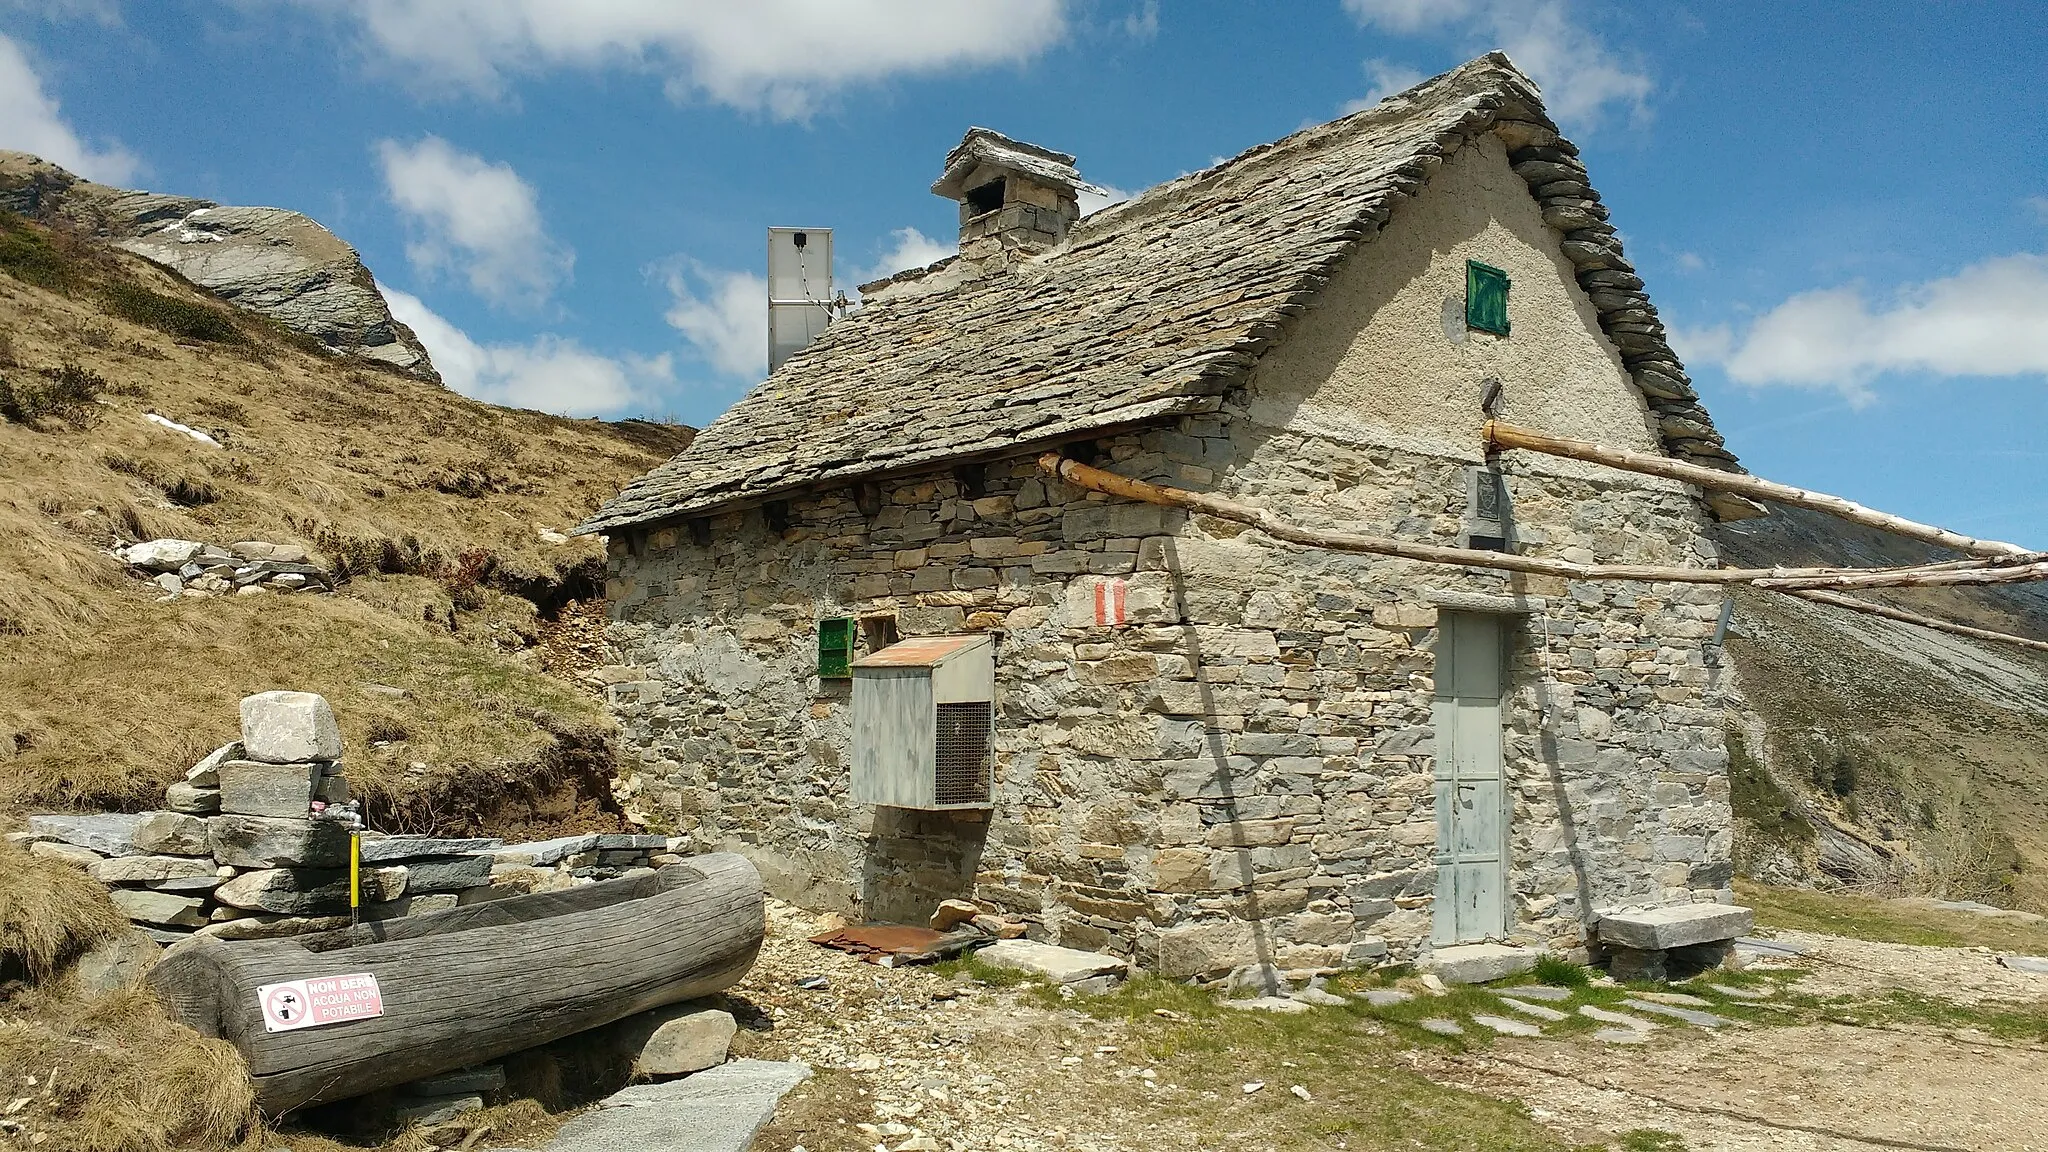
x: 1111, y: 610
x: 319, y: 1000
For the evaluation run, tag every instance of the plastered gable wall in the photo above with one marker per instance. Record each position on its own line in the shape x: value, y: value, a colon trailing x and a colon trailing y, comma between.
x: 1242, y: 772
x: 1409, y: 374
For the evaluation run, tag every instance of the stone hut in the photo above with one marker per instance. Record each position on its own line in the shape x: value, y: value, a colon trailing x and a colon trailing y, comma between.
x: 1206, y: 748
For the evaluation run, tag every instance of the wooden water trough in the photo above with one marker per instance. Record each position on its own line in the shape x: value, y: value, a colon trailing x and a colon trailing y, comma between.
x: 472, y: 984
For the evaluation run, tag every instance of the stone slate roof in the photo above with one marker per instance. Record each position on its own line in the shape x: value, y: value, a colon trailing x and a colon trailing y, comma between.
x: 1152, y: 309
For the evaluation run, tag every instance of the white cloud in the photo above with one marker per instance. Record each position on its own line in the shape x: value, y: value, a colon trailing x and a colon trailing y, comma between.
x: 1690, y: 261
x: 1581, y: 77
x: 2040, y: 206
x: 1985, y: 320
x: 473, y: 216
x: 723, y: 314
x: 781, y: 56
x: 1143, y: 22
x: 1384, y: 78
x: 30, y: 121
x: 912, y: 249
x: 548, y: 373
x: 1096, y: 202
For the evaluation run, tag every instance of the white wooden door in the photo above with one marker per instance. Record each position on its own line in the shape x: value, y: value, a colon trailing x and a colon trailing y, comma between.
x: 1471, y: 798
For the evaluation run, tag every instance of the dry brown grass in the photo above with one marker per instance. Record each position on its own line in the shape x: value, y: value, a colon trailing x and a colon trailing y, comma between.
x: 117, y: 1074
x: 50, y: 912
x: 412, y: 490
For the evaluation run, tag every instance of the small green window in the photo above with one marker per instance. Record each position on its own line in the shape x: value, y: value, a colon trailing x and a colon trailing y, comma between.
x: 835, y: 648
x: 1486, y: 298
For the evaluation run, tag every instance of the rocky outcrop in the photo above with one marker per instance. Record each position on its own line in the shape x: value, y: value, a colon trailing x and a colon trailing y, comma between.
x: 272, y: 261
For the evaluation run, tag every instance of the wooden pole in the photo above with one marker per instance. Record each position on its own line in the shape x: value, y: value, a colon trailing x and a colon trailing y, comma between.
x: 1098, y: 480
x: 1509, y: 436
x: 1890, y: 613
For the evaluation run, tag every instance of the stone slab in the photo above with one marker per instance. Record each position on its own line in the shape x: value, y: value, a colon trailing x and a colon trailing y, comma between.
x: 542, y: 853
x: 394, y: 849
x: 1690, y: 1016
x: 1677, y: 998
x: 1739, y: 993
x: 1621, y: 1036
x: 1478, y: 963
x: 484, y: 1078
x: 1606, y: 1016
x: 450, y: 874
x: 164, y: 909
x: 1507, y: 1027
x: 171, y: 834
x: 1385, y: 997
x: 1061, y: 965
x: 120, y: 961
x: 289, y: 727
x: 271, y: 842
x: 257, y: 788
x: 1442, y: 1026
x: 206, y: 773
x: 630, y: 842
x: 717, y: 1110
x: 141, y: 869
x: 191, y: 799
x: 109, y: 834
x: 68, y: 853
x: 1677, y: 926
x: 438, y: 1110
x: 2034, y: 964
x: 1548, y: 1015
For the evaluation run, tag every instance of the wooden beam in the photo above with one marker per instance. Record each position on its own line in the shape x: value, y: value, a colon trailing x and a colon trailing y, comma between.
x: 1099, y: 480
x: 1939, y: 625
x: 1509, y: 436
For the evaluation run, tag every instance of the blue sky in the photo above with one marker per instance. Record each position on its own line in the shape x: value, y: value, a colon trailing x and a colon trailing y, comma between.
x: 1842, y: 210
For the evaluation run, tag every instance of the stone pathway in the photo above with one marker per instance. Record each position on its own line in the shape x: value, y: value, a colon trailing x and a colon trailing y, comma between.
x: 719, y: 1110
x: 1547, y: 1004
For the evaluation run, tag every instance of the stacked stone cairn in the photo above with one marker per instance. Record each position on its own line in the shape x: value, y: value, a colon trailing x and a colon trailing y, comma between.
x: 254, y: 843
x: 188, y: 568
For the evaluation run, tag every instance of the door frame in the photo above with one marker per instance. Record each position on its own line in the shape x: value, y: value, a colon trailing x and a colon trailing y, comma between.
x: 1444, y: 927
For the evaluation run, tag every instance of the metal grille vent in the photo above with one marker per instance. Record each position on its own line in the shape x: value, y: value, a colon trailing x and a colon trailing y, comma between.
x: 963, y: 746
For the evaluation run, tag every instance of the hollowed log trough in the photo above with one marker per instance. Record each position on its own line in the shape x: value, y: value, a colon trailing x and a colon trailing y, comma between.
x: 472, y: 984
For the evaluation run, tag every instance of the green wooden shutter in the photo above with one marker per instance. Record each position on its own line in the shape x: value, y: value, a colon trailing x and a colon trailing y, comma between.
x: 1486, y: 298
x: 835, y: 648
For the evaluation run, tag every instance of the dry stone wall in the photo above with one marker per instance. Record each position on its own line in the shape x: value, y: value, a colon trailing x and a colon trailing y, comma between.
x: 255, y: 843
x: 1242, y: 773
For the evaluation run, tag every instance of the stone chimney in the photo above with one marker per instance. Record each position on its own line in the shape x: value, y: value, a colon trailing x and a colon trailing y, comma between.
x: 1016, y: 199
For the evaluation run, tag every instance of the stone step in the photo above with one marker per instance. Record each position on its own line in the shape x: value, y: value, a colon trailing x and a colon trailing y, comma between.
x: 717, y: 1110
x: 1593, y: 1012
x: 1739, y: 993
x: 1699, y: 1019
x: 1679, y: 998
x: 1550, y: 1015
x: 1478, y: 963
x: 1507, y: 1027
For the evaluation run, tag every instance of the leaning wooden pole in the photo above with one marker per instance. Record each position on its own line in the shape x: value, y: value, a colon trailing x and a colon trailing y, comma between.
x: 1510, y: 436
x: 1099, y: 480
x: 1936, y: 623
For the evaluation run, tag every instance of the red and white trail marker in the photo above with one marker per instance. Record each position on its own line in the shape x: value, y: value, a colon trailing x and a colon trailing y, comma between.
x: 1110, y: 608
x: 319, y: 1000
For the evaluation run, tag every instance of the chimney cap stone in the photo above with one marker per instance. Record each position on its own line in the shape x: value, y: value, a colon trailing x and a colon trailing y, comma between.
x: 988, y: 147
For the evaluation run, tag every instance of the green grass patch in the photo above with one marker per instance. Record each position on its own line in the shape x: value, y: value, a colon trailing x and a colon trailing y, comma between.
x: 1651, y: 1140
x: 1559, y: 971
x: 1890, y: 921
x: 28, y: 255
x: 180, y: 319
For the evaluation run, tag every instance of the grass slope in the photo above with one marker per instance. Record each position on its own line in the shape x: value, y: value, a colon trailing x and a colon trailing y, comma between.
x: 435, y: 506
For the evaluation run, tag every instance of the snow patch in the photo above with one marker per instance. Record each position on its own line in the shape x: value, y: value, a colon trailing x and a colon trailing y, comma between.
x: 174, y: 426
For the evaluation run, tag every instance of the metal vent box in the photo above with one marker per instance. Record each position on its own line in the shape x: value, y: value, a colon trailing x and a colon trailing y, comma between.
x: 923, y: 719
